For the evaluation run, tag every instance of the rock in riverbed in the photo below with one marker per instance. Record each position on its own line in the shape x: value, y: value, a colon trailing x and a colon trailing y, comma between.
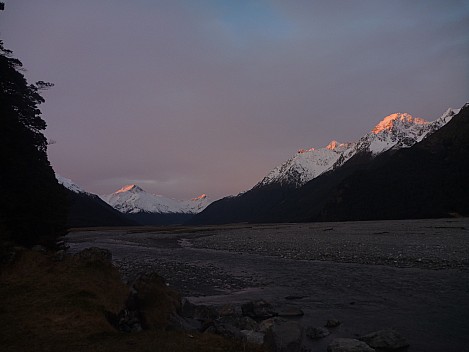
x: 258, y: 310
x: 348, y: 345
x: 387, y: 340
x: 242, y: 323
x: 254, y: 337
x: 227, y: 310
x: 285, y: 337
x: 267, y: 324
x: 199, y: 312
x: 317, y: 333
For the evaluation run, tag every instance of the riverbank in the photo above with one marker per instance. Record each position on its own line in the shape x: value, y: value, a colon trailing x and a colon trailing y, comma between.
x: 410, y: 275
x: 60, y: 302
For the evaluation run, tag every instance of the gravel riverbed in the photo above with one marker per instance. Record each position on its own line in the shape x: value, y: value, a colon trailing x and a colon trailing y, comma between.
x: 429, y: 244
x: 411, y: 275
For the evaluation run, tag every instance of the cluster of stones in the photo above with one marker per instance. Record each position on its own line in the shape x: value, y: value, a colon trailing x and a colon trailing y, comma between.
x: 379, y: 341
x: 259, y: 323
x: 256, y: 322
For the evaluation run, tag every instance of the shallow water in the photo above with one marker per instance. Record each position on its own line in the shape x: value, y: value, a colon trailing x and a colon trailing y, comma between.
x: 410, y: 275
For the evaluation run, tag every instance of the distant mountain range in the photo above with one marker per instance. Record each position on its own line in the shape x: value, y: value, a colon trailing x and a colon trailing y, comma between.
x: 132, y: 199
x: 130, y: 205
x: 399, y: 130
x: 328, y: 184
x: 405, y: 167
x: 151, y: 209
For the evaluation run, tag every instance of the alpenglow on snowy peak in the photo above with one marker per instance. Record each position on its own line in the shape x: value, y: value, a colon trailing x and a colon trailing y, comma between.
x: 399, y: 130
x: 132, y: 199
x: 306, y: 165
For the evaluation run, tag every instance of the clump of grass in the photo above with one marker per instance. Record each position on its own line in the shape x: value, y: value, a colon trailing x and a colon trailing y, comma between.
x: 43, y: 298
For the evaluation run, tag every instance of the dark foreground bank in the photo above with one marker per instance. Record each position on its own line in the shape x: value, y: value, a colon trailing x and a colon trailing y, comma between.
x: 60, y: 302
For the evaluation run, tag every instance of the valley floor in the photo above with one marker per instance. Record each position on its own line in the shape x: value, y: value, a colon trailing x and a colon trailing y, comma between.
x: 411, y: 275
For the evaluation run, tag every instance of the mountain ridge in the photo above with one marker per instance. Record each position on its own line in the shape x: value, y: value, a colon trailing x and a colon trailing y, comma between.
x: 129, y: 205
x: 132, y: 199
x: 277, y: 202
x: 398, y: 130
x: 87, y: 209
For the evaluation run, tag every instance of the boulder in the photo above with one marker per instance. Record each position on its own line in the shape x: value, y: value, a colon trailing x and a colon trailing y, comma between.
x: 200, y: 312
x: 229, y: 331
x: 284, y: 337
x: 253, y: 337
x: 242, y: 323
x: 187, y: 308
x: 267, y: 324
x: 387, y: 340
x: 348, y: 345
x: 176, y: 322
x: 226, y: 310
x: 205, y: 313
x: 317, y: 333
x: 155, y: 301
x: 246, y: 323
x: 258, y: 310
x: 129, y: 318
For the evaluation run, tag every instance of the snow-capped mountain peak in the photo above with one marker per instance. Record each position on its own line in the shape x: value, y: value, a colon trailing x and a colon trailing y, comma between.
x: 397, y: 120
x: 133, y: 199
x: 197, y: 204
x: 337, y: 147
x: 305, y: 165
x: 130, y: 188
x: 332, y: 145
x: 398, y: 130
x: 202, y: 196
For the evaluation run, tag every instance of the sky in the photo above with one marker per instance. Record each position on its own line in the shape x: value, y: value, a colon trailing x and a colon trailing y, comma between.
x: 205, y: 96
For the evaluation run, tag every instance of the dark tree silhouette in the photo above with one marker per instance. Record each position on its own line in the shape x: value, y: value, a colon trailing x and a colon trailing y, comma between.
x: 32, y: 204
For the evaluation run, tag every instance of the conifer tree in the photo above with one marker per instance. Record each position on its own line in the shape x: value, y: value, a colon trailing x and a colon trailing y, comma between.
x: 32, y: 204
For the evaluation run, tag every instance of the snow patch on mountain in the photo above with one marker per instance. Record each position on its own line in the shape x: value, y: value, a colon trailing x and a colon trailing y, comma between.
x: 133, y: 199
x: 197, y: 204
x: 398, y: 130
x: 69, y: 184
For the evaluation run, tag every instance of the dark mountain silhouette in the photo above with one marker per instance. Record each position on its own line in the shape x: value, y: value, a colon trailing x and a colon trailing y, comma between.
x: 427, y: 180
x: 87, y: 210
x: 279, y: 203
